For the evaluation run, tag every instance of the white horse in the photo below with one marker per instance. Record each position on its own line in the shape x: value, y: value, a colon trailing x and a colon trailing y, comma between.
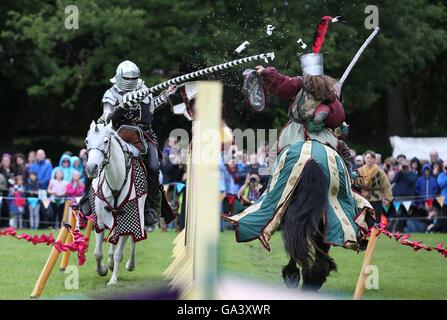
x: 117, y: 195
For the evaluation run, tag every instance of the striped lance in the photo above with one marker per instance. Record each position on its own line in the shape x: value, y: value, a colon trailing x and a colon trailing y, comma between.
x: 223, y: 66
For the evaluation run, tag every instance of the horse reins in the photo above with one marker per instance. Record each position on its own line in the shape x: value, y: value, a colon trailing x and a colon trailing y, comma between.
x: 115, y: 193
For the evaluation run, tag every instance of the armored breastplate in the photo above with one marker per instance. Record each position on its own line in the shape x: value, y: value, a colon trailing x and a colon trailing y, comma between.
x: 132, y: 116
x: 138, y: 116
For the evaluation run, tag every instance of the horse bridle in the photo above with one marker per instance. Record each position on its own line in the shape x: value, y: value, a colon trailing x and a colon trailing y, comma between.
x: 105, y: 162
x: 106, y: 155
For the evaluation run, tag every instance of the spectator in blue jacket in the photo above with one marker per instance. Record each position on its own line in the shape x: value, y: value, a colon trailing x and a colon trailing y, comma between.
x: 404, y: 181
x: 42, y: 168
x: 404, y: 185
x: 65, y: 167
x: 442, y: 180
x: 426, y: 185
x: 76, y: 164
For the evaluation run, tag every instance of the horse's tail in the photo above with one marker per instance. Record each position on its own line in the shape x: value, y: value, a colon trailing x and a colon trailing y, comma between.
x: 304, y: 214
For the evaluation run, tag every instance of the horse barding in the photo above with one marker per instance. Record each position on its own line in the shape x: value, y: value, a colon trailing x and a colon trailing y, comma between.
x: 309, y: 197
x: 117, y: 194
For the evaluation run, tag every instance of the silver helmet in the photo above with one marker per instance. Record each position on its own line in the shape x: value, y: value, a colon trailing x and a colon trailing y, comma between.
x: 127, y: 77
x: 312, y: 64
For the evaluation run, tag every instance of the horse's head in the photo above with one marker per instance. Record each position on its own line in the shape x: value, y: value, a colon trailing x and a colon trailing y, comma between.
x: 98, y: 148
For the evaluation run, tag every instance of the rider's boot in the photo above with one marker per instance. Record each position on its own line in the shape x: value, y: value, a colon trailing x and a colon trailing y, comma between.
x: 152, y: 206
x: 84, y: 203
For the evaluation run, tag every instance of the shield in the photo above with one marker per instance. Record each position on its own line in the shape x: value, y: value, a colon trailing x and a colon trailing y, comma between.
x: 252, y: 90
x: 182, y: 101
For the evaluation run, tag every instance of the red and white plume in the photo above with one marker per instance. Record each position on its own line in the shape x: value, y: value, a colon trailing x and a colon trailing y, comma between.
x: 320, y: 32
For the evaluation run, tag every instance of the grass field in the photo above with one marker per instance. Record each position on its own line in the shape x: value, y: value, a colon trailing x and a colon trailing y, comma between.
x: 403, y: 274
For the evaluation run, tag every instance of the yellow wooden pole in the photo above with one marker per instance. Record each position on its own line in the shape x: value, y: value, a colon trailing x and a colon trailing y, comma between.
x: 206, y: 205
x: 66, y: 255
x: 194, y: 268
x: 49, y: 265
x: 360, y: 288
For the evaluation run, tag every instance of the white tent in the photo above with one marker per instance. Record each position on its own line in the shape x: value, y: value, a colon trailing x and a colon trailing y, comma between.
x: 418, y: 147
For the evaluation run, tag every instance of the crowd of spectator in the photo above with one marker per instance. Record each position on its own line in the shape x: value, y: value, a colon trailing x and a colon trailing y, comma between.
x: 390, y: 184
x: 241, y: 174
x: 33, y: 191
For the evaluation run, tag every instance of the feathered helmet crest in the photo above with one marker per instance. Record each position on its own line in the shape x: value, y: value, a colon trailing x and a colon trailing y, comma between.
x: 312, y: 63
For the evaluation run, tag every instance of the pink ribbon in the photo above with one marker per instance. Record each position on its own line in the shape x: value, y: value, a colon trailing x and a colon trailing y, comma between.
x: 78, y: 245
x: 416, y: 245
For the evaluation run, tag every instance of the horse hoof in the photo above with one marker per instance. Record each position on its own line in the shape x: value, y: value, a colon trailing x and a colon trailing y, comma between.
x: 292, y: 280
x: 102, y: 270
x: 130, y: 266
x: 112, y: 282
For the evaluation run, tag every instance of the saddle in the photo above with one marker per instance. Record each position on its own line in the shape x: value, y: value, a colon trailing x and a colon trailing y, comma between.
x: 133, y: 136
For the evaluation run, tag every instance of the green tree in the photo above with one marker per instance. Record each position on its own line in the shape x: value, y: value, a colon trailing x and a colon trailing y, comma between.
x: 52, y: 76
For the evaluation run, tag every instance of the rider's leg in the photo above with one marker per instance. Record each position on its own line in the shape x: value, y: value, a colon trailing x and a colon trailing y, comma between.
x: 84, y: 203
x: 153, y: 200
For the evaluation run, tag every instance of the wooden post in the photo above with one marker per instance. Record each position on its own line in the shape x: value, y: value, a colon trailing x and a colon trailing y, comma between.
x: 360, y: 288
x: 52, y: 258
x: 194, y: 268
x: 206, y: 204
x: 88, y: 233
x: 49, y: 265
x: 66, y: 254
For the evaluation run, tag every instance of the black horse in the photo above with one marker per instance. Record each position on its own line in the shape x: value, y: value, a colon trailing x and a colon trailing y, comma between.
x: 302, y: 226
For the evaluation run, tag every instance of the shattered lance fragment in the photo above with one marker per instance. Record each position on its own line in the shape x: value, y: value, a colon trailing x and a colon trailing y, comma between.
x: 242, y: 47
x: 270, y: 29
x: 302, y: 44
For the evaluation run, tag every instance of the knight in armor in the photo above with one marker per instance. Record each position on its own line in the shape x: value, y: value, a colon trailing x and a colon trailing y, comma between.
x: 315, y: 110
x: 129, y: 103
x: 315, y: 131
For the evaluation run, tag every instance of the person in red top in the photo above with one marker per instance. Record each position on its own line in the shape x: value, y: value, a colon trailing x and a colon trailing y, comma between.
x: 75, y: 188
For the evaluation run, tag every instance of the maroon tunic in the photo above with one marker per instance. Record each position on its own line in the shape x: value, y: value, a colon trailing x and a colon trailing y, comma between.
x: 284, y: 87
